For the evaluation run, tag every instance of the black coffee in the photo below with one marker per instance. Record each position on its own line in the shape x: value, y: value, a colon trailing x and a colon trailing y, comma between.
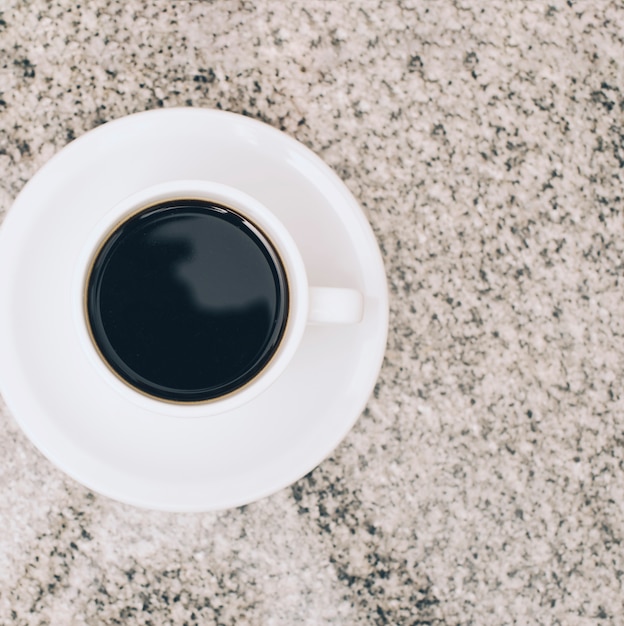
x: 187, y: 301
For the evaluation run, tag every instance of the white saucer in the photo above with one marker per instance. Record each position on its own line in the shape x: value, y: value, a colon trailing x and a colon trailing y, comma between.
x: 149, y: 459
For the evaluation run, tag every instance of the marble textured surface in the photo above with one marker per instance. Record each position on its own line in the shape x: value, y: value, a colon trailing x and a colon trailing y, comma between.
x: 484, y: 483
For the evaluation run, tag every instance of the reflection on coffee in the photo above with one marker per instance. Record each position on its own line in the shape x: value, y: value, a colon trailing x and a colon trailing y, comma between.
x: 187, y: 301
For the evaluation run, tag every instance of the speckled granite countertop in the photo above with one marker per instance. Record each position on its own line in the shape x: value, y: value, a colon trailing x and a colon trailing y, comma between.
x: 484, y: 483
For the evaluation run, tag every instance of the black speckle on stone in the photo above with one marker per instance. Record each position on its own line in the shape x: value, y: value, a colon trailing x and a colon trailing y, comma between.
x: 415, y: 63
x: 205, y: 76
x: 427, y: 600
x: 85, y: 535
x: 2, y: 103
x: 27, y: 66
x: 297, y: 491
x: 599, y: 97
x: 470, y: 60
x: 127, y: 613
x: 346, y: 577
x: 23, y: 147
x: 310, y: 478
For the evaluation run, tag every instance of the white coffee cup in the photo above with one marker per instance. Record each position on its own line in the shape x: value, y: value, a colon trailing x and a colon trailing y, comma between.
x: 307, y: 304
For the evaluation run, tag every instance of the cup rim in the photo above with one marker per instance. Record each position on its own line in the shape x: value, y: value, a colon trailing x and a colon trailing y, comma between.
x: 249, y: 208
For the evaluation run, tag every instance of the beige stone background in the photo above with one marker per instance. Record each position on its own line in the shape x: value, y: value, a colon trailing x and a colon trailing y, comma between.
x: 484, y: 483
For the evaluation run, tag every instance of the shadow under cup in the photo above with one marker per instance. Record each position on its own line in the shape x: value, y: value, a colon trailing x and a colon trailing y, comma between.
x: 187, y: 301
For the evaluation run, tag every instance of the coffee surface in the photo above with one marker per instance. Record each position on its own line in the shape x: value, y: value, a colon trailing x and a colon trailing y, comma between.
x: 187, y: 301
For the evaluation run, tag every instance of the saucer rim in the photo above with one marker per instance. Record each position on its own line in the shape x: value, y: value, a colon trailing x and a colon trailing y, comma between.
x: 17, y: 220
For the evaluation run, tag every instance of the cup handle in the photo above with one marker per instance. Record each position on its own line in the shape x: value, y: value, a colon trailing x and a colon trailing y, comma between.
x: 335, y: 305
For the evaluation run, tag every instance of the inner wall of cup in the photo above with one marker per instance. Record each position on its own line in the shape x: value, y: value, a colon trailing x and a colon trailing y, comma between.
x: 197, y: 398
